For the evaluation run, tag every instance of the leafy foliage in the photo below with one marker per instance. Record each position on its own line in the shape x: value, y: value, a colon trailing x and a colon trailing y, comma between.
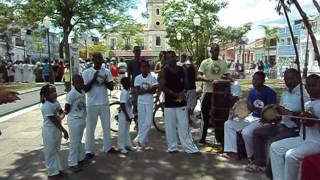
x: 75, y: 16
x: 178, y: 17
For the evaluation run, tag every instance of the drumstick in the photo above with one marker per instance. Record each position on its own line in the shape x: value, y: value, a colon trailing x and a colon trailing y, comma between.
x: 300, y: 117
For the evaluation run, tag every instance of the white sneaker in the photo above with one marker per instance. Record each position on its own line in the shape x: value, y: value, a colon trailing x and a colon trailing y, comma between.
x: 123, y: 151
x: 130, y: 148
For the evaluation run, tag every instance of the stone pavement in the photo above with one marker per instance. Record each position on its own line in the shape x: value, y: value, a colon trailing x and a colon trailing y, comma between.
x: 22, y: 157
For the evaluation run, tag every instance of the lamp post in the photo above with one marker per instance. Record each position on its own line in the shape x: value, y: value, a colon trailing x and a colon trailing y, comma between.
x: 179, y: 36
x: 196, y: 22
x: 243, y: 41
x: 47, y: 24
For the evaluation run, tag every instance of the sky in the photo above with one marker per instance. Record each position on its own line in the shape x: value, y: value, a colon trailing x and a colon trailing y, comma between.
x: 259, y: 12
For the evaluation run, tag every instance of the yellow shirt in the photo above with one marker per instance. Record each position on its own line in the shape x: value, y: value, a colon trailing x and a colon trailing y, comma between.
x: 213, y: 70
x: 66, y: 75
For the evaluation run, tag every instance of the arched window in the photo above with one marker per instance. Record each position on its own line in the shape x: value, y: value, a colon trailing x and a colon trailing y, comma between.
x: 158, y: 12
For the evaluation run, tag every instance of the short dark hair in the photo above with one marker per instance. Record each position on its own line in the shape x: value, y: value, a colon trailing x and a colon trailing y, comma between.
x: 292, y: 70
x: 97, y: 55
x: 261, y: 74
x: 145, y: 62
x: 125, y: 81
x: 215, y: 46
x: 314, y: 77
x: 76, y: 76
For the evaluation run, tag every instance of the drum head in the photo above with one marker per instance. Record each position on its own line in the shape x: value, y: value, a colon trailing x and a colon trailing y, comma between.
x: 240, y: 109
x: 269, y: 113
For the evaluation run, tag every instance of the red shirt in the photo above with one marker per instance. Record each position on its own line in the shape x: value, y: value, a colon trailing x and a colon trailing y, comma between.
x: 114, y: 70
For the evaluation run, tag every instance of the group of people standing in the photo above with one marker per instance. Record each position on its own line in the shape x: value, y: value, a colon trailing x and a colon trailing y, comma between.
x: 89, y: 100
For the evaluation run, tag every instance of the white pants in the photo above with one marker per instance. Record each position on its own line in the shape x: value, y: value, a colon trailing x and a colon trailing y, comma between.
x: 76, y: 127
x: 145, y: 113
x: 124, y: 138
x: 92, y: 117
x: 286, y: 156
x: 247, y: 126
x: 51, y: 146
x: 178, y: 117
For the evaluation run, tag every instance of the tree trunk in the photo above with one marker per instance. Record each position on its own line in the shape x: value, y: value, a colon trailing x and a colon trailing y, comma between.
x: 305, y: 69
x: 310, y: 32
x: 61, y: 51
x: 268, y: 55
x: 316, y: 4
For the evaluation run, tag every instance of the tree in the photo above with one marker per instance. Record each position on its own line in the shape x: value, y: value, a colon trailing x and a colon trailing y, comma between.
x: 97, y: 48
x: 316, y: 4
x: 73, y: 16
x: 270, y: 34
x: 178, y: 17
x: 231, y: 35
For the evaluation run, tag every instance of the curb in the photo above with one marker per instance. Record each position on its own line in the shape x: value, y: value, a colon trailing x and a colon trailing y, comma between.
x: 34, y: 89
x: 16, y: 110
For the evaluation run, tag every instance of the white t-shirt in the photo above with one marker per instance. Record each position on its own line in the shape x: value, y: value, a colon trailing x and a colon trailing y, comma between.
x: 77, y: 101
x: 145, y: 83
x: 126, y: 99
x: 313, y: 132
x: 291, y: 101
x: 49, y: 109
x: 122, y: 67
x: 98, y: 94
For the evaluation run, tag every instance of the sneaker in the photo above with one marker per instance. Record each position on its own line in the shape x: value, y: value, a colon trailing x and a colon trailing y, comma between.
x: 75, y: 169
x: 112, y: 150
x: 89, y: 156
x: 172, y: 151
x: 123, y: 151
x: 83, y: 162
x: 130, y: 148
x: 202, y: 142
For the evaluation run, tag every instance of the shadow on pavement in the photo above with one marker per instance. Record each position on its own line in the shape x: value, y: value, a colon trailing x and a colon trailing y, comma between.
x: 154, y: 164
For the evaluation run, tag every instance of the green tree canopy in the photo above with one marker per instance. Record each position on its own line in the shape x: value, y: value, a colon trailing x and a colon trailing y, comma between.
x: 178, y: 17
x: 73, y: 15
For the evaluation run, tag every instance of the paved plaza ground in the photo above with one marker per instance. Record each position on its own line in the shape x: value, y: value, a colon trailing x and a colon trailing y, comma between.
x: 22, y: 157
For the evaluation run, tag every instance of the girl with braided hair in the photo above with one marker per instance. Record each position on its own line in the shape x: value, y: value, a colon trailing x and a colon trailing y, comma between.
x: 51, y: 130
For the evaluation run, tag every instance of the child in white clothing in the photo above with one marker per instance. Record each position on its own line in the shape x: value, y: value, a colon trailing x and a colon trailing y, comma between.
x: 125, y: 117
x: 145, y: 85
x: 51, y: 130
x: 75, y: 107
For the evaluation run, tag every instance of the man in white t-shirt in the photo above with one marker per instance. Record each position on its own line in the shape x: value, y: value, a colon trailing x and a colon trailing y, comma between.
x: 145, y: 85
x: 97, y: 81
x: 286, y: 155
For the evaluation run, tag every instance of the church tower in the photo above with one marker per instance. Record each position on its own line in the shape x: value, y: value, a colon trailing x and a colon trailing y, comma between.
x: 156, y: 32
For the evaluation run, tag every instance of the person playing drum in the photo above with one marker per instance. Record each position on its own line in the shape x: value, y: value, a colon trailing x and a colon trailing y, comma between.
x: 210, y: 69
x: 286, y: 155
x: 264, y: 135
x: 259, y: 96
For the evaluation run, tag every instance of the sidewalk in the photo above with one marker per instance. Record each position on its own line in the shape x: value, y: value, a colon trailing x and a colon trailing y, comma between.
x: 22, y: 157
x: 28, y: 98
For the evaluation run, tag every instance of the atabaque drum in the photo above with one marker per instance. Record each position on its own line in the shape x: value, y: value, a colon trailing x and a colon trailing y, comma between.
x: 220, y: 106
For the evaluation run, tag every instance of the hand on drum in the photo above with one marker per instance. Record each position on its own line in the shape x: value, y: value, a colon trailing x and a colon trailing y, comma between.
x: 281, y: 110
